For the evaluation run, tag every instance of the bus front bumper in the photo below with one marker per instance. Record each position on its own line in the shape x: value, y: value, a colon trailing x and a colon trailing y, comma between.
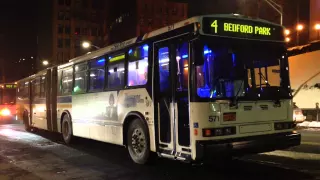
x: 247, y: 145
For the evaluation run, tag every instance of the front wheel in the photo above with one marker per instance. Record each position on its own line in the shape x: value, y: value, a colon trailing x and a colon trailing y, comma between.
x: 66, y: 128
x: 138, y: 142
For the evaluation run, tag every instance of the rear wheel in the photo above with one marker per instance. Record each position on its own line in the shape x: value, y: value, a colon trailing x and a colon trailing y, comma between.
x: 138, y: 142
x: 66, y: 128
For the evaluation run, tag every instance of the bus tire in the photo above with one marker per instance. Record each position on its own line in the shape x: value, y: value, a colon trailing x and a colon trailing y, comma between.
x: 138, y: 142
x: 66, y: 129
x: 26, y: 122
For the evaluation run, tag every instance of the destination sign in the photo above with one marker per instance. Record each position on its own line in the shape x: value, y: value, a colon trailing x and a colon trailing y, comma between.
x: 240, y: 28
x: 10, y: 86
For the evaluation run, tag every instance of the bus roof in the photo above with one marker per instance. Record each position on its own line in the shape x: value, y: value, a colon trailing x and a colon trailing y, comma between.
x: 192, y: 20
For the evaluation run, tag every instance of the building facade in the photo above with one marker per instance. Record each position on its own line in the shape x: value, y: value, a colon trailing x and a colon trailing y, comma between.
x: 64, y: 24
x: 314, y: 19
x: 137, y: 17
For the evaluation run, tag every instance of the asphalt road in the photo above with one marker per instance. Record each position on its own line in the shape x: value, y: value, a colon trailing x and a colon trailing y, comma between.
x: 29, y: 156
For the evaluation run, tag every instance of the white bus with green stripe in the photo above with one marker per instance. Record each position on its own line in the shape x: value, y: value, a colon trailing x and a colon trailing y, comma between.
x: 204, y: 87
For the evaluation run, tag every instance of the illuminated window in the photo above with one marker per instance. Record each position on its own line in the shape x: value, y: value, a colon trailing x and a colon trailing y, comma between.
x: 138, y: 66
x: 97, y: 74
x: 116, y: 71
x: 80, y: 78
x: 66, y: 85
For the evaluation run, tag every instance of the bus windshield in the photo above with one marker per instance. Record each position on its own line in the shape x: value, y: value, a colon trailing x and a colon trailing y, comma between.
x: 8, y: 96
x: 230, y: 69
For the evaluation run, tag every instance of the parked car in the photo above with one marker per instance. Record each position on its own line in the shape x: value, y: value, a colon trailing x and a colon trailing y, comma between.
x: 298, y: 116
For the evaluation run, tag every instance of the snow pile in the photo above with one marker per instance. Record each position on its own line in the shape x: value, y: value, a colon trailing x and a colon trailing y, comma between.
x: 312, y: 124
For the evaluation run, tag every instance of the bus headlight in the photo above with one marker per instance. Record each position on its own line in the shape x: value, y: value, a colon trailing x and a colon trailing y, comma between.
x: 5, y: 112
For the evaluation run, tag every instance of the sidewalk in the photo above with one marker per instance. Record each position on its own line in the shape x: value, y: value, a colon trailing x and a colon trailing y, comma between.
x: 309, y: 124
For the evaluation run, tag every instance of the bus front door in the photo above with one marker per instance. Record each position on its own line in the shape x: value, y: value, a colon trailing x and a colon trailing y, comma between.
x: 171, y: 102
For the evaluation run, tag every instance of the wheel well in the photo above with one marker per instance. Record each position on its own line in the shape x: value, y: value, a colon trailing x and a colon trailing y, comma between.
x: 130, y: 117
x: 25, y: 114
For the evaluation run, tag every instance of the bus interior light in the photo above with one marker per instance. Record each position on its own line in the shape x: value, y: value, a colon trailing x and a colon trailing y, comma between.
x: 185, y: 56
x: 146, y: 47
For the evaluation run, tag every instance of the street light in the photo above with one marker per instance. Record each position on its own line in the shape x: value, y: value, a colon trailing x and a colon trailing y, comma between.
x: 86, y: 44
x: 276, y: 7
x: 45, y: 62
x: 300, y: 27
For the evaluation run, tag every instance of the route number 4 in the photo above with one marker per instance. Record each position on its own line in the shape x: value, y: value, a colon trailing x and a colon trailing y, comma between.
x: 215, y: 26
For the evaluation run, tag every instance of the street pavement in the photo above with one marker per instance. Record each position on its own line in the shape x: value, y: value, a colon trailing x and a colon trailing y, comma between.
x: 42, y: 155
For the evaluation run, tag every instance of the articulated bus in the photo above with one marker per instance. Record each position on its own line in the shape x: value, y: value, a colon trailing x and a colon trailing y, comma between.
x: 8, y: 102
x: 205, y: 86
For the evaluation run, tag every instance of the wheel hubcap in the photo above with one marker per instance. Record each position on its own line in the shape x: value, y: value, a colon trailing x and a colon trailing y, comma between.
x: 138, y: 141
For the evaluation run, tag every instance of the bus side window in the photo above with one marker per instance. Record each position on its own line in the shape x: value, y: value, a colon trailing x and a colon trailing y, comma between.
x: 97, y: 74
x: 116, y: 71
x: 80, y: 78
x: 138, y: 66
x: 66, y: 85
x: 36, y: 87
x: 25, y: 92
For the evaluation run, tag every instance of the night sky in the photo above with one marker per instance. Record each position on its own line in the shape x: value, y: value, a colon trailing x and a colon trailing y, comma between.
x: 18, y: 20
x: 18, y: 33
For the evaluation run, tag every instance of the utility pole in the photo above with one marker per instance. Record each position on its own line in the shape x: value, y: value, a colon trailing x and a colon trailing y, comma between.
x: 298, y: 20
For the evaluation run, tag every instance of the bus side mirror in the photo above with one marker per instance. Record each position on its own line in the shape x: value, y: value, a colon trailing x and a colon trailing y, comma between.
x: 198, y: 53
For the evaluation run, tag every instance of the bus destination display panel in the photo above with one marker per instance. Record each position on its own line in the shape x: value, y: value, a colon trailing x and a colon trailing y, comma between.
x: 239, y: 28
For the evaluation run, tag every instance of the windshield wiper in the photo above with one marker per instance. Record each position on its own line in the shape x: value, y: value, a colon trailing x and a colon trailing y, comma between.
x: 235, y: 100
